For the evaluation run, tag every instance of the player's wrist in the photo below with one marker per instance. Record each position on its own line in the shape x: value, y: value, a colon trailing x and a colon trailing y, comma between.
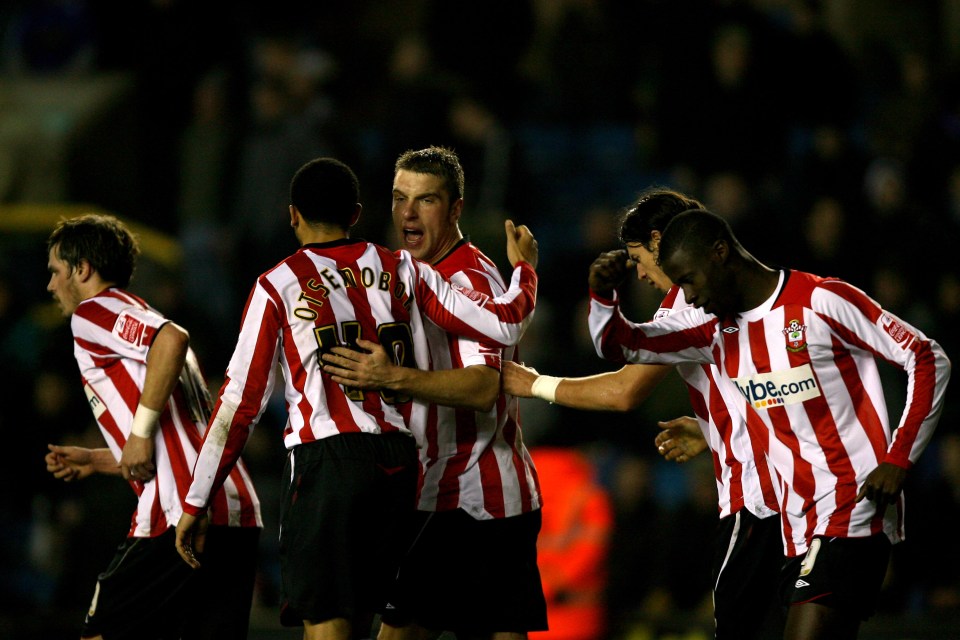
x: 545, y: 388
x: 145, y: 422
x: 608, y: 297
x: 193, y: 510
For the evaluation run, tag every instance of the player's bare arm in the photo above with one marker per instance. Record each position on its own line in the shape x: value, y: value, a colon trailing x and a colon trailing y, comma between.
x: 680, y: 440
x: 165, y: 361
x: 474, y: 387
x: 621, y: 390
x: 76, y: 463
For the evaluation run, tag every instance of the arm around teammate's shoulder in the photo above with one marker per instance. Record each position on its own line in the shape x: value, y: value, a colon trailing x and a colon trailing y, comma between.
x: 474, y: 387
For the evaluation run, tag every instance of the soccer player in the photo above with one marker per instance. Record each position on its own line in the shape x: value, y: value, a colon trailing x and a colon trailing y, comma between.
x: 144, y: 386
x: 351, y: 473
x: 748, y: 551
x: 798, y: 355
x: 479, y: 501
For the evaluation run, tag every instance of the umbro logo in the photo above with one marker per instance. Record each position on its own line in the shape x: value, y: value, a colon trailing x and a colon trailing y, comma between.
x: 801, y: 583
x: 733, y: 329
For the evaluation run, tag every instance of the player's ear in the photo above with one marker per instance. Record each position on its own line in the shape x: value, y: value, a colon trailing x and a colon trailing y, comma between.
x: 456, y: 210
x: 721, y: 251
x: 84, y: 270
x: 654, y: 242
x: 356, y: 214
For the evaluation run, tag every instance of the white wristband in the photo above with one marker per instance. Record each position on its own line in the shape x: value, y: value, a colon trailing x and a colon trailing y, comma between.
x: 545, y: 388
x: 144, y: 422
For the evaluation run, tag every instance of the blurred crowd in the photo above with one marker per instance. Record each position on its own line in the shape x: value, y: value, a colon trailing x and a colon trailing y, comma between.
x: 827, y: 132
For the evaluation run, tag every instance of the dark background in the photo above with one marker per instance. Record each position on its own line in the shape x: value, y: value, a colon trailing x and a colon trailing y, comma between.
x: 828, y: 133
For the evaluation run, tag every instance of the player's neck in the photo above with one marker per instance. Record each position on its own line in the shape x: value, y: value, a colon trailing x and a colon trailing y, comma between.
x: 94, y: 287
x: 757, y: 283
x: 315, y: 236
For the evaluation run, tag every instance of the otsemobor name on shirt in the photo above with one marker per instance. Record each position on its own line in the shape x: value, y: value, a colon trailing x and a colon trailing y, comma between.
x: 366, y: 277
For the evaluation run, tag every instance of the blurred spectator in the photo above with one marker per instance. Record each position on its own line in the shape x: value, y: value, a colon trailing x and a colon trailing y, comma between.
x: 208, y: 148
x: 824, y: 161
x: 819, y: 75
x: 938, y: 492
x: 659, y: 556
x: 824, y: 245
x: 573, y: 544
x: 890, y: 202
x: 723, y: 116
x: 574, y: 70
x: 894, y: 123
x: 289, y: 119
x: 634, y: 572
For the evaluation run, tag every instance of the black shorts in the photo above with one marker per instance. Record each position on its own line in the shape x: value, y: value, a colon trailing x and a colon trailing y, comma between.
x: 345, y: 512
x: 841, y: 573
x: 747, y: 561
x: 225, y: 581
x: 149, y: 592
x: 471, y: 576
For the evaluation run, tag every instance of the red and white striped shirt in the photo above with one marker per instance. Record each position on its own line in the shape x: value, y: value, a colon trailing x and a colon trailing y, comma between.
x: 472, y: 460
x: 745, y: 479
x: 802, y: 369
x: 327, y: 295
x: 112, y: 333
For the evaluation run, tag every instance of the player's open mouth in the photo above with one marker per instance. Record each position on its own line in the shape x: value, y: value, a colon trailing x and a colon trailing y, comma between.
x: 412, y: 236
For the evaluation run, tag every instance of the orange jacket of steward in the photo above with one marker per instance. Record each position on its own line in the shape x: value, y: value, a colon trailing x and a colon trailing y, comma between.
x: 573, y: 543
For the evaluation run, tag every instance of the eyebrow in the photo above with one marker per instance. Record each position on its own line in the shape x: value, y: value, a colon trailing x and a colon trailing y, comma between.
x: 426, y: 194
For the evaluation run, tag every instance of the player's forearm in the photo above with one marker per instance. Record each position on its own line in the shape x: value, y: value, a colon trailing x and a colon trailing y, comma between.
x: 165, y: 361
x: 228, y: 432
x: 102, y: 461
x: 475, y: 388
x: 601, y: 392
x: 622, y: 390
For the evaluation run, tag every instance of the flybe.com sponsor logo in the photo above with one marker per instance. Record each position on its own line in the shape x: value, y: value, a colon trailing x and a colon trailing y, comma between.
x: 765, y: 390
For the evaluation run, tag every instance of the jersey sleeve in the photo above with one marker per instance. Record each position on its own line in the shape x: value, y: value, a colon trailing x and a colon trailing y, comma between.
x: 243, y: 398
x: 861, y: 322
x: 500, y: 321
x: 123, y: 330
x: 469, y: 352
x: 683, y: 336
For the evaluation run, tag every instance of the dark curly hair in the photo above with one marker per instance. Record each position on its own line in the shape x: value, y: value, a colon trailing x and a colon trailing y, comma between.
x: 653, y: 208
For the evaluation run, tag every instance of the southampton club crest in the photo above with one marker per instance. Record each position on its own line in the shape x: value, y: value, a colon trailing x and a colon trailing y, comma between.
x: 795, y: 335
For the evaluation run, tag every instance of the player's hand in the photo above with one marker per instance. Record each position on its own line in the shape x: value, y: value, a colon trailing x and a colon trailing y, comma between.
x: 69, y: 463
x: 374, y: 369
x: 521, y: 245
x: 191, y: 537
x: 136, y: 460
x: 883, y: 485
x: 518, y: 379
x: 680, y: 440
x: 609, y: 271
